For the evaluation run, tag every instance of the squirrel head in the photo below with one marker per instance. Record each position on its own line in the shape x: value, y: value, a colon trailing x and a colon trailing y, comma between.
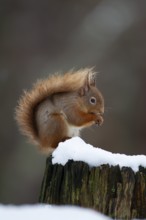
x: 91, y: 99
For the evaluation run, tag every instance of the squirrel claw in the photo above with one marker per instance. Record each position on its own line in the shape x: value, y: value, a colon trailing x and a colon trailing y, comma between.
x: 99, y: 121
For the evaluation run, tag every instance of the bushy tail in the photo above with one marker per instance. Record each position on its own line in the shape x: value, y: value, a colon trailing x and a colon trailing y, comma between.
x: 25, y: 111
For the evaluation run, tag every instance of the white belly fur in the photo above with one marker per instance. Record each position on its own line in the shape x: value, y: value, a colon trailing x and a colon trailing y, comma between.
x: 73, y: 131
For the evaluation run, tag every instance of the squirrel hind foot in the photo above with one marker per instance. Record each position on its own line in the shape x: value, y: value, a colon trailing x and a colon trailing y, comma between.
x: 46, y: 150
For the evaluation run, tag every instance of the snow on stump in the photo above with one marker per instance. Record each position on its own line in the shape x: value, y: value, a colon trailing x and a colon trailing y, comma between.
x: 80, y: 174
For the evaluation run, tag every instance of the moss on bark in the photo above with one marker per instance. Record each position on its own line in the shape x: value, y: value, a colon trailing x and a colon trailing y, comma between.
x: 119, y: 193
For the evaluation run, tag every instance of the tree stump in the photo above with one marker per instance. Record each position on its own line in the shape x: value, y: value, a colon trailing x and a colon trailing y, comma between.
x: 118, y: 193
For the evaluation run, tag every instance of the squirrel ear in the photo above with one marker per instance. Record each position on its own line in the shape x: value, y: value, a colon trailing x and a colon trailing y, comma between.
x: 91, y: 79
x: 83, y: 90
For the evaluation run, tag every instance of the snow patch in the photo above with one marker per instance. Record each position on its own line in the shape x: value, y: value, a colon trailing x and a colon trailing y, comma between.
x: 76, y: 149
x: 46, y: 212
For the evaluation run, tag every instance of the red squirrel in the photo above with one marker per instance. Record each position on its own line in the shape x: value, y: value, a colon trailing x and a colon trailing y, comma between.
x: 58, y: 107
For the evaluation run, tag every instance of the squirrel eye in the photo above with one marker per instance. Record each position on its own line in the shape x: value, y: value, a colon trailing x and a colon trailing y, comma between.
x: 93, y: 100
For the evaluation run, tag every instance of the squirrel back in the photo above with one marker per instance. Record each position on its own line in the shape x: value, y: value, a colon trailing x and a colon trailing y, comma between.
x: 58, y: 107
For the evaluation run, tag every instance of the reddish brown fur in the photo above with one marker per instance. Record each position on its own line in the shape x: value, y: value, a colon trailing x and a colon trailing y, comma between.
x: 69, y: 82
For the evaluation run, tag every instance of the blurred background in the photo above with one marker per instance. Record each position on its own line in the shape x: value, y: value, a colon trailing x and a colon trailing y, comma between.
x: 39, y: 37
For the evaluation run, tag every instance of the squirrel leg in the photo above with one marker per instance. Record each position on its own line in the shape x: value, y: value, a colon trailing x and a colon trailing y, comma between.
x: 54, y: 131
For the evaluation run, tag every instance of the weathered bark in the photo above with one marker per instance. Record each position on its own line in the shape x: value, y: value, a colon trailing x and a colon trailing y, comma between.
x: 119, y: 193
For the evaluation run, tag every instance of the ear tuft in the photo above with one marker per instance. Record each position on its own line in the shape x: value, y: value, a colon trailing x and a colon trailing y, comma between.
x: 91, y: 79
